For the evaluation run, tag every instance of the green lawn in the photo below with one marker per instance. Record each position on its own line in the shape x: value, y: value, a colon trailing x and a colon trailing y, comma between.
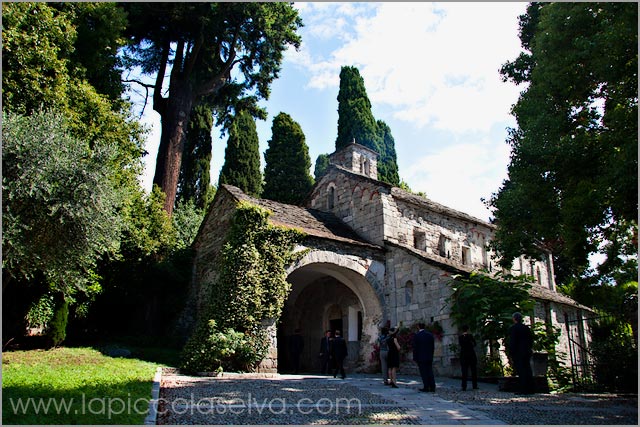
x: 74, y: 386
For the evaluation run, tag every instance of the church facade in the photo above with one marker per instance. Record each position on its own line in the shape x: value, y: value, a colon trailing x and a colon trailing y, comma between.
x: 375, y: 255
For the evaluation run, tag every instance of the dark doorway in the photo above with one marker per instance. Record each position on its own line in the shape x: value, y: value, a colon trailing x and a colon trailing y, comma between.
x: 336, y: 325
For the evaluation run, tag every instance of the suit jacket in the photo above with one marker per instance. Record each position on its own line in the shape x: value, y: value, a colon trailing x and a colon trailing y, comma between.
x: 325, y: 345
x: 423, y: 346
x: 339, y: 348
x: 467, y: 347
x: 520, y: 341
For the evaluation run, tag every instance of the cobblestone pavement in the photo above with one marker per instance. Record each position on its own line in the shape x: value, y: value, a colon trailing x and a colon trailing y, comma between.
x: 363, y: 399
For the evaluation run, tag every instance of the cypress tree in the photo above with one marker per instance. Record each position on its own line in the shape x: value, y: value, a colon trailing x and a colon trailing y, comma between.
x: 286, y: 174
x: 242, y: 156
x: 322, y: 164
x: 356, y: 121
x: 387, y: 161
x: 195, y: 176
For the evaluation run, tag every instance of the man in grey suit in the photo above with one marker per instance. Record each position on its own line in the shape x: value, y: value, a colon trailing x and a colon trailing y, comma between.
x: 423, y: 345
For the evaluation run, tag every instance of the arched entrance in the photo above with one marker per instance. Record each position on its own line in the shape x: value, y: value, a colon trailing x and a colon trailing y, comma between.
x: 329, y: 296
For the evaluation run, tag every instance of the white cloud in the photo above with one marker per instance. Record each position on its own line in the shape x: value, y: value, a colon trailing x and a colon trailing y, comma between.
x: 458, y: 175
x: 435, y: 64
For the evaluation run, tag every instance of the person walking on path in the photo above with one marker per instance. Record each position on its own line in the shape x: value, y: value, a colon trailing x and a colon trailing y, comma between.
x: 468, y: 359
x: 423, y: 346
x: 393, y: 360
x: 339, y: 352
x: 384, y: 351
x: 296, y: 346
x: 521, y: 350
x: 325, y: 352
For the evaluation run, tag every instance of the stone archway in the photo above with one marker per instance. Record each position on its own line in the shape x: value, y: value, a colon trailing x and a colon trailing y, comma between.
x: 330, y: 291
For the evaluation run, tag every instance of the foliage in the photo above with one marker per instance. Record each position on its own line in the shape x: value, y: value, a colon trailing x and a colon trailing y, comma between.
x: 286, y: 173
x: 186, y: 221
x: 322, y: 164
x: 57, y: 328
x: 47, y: 66
x: 572, y: 186
x: 204, y: 44
x: 251, y: 287
x: 615, y: 355
x: 77, y: 375
x: 241, y: 166
x: 491, y: 366
x: 486, y: 303
x: 227, y: 350
x: 41, y: 311
x: 356, y: 121
x: 387, y: 163
x: 60, y: 210
x: 195, y: 176
x: 546, y: 339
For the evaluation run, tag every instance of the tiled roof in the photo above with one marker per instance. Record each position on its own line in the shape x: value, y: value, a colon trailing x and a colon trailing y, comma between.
x: 544, y: 293
x: 312, y: 221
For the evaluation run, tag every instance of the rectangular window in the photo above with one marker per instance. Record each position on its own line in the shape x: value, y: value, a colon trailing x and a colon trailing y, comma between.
x: 419, y: 240
x: 466, y: 255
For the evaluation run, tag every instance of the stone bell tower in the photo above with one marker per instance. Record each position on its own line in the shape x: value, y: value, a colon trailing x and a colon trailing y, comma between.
x: 357, y: 159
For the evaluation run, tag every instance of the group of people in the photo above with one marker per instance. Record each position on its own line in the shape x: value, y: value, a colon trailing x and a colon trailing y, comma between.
x: 333, y: 351
x: 423, y: 347
x: 520, y: 347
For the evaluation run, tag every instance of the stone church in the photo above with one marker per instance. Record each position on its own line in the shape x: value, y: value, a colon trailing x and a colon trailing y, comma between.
x: 377, y: 255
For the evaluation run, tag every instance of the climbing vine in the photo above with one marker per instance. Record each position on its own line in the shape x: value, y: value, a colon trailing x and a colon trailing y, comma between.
x: 251, y: 287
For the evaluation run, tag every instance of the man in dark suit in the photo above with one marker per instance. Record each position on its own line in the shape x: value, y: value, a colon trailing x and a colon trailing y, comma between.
x: 521, y: 350
x: 325, y: 352
x: 339, y: 352
x: 423, y: 346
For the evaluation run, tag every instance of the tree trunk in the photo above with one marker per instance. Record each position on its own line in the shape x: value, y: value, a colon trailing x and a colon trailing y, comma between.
x: 175, y: 118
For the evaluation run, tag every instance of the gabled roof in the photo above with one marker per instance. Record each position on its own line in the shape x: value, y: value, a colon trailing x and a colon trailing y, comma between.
x: 312, y: 221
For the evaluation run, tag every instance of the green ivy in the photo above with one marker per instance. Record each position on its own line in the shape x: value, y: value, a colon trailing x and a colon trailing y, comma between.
x: 252, y: 287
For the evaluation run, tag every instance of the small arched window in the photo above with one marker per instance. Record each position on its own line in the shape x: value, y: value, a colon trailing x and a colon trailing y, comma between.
x: 408, y: 292
x: 331, y: 197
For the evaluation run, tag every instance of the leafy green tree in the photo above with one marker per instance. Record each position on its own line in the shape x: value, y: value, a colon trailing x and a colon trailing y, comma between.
x: 203, y: 44
x: 356, y: 122
x: 572, y: 187
x: 242, y: 156
x: 322, y: 164
x: 59, y: 206
x: 46, y: 67
x: 195, y: 176
x: 286, y: 174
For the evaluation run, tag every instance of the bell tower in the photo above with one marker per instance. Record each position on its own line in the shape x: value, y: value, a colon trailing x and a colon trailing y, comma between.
x: 357, y: 159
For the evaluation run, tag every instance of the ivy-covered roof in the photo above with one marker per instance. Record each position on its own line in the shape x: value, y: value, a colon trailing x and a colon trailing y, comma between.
x: 312, y: 221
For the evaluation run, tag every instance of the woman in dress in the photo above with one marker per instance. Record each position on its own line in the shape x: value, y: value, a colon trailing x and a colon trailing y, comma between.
x: 393, y: 357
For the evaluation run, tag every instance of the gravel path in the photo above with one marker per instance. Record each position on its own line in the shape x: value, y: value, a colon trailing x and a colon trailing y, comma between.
x: 362, y: 399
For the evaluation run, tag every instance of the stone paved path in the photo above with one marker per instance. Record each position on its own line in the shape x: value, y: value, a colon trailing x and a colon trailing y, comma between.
x: 363, y: 399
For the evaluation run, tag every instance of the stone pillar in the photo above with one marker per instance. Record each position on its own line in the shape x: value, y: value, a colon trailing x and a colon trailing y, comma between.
x: 270, y: 362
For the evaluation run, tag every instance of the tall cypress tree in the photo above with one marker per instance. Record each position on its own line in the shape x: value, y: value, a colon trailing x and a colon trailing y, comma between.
x: 356, y: 121
x: 195, y: 176
x: 387, y: 162
x: 242, y: 156
x: 286, y: 174
x: 322, y: 164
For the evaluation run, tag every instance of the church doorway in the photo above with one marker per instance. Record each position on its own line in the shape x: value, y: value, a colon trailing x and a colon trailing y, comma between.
x: 325, y: 298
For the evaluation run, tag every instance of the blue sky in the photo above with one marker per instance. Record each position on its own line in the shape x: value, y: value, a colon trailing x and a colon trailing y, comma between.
x: 431, y: 73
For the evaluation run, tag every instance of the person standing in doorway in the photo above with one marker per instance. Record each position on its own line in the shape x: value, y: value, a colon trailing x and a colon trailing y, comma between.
x: 325, y: 352
x: 423, y: 347
x: 296, y: 345
x: 521, y: 350
x: 339, y: 353
x: 394, y: 356
x: 468, y: 359
x: 384, y: 352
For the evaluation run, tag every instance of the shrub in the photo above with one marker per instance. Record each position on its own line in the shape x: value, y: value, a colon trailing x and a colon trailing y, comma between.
x: 615, y: 356
x: 213, y: 350
x: 57, y: 329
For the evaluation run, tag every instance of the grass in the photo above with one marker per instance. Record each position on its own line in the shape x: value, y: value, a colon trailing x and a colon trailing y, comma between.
x: 74, y: 386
